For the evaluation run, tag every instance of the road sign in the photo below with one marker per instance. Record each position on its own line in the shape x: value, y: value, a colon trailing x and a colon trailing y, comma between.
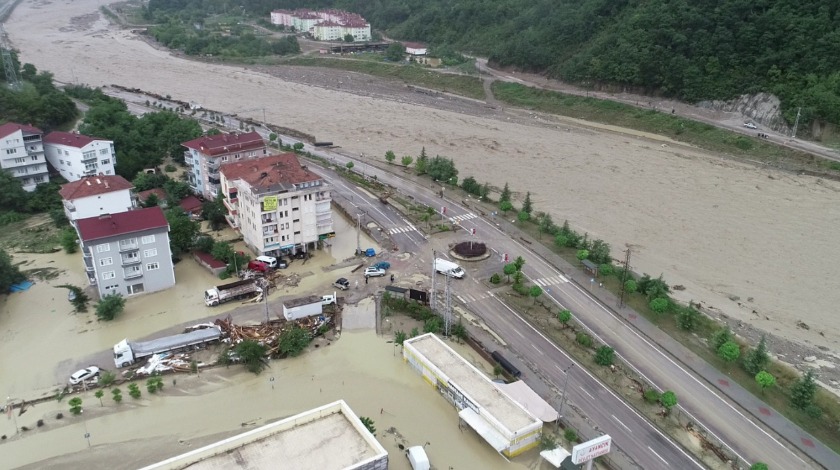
x: 587, y: 451
x: 443, y: 210
x: 472, y: 231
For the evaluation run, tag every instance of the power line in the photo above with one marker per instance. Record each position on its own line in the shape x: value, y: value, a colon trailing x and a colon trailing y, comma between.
x: 8, y: 64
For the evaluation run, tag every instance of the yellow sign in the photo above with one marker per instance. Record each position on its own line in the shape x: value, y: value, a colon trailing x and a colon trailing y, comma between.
x: 269, y: 203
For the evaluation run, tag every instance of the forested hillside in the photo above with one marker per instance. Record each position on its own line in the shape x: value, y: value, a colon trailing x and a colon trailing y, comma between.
x: 691, y: 49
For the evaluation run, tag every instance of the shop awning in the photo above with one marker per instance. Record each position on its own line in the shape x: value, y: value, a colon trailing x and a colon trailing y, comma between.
x: 484, y: 429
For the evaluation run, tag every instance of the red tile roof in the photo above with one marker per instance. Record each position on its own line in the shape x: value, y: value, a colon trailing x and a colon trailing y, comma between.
x: 110, y: 225
x: 414, y: 45
x: 160, y: 193
x: 11, y: 127
x: 269, y: 171
x: 190, y: 204
x: 69, y: 139
x: 226, y: 143
x: 209, y: 260
x: 93, y: 185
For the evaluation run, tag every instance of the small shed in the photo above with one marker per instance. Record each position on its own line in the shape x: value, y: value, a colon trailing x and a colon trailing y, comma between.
x: 159, y: 193
x: 415, y: 48
x: 590, y: 267
x: 191, y: 205
x: 208, y: 261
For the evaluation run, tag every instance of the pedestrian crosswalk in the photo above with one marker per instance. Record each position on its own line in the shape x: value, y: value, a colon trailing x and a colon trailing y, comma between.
x: 467, y: 298
x: 463, y: 217
x: 549, y: 281
x: 406, y: 229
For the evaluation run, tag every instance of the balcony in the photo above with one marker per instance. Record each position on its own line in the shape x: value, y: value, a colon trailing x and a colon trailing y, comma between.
x: 133, y: 275
x: 231, y: 221
x: 89, y: 157
x: 130, y: 260
x: 129, y: 247
x: 230, y: 205
x: 214, y: 181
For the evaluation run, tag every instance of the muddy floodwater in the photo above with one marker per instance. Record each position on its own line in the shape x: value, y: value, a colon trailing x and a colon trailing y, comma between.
x: 42, y: 341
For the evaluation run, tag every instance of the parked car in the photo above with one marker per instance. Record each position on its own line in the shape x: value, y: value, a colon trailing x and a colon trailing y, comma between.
x: 342, y: 283
x: 749, y: 125
x: 258, y: 266
x: 382, y: 265
x: 370, y: 252
x: 371, y: 271
x: 84, y: 375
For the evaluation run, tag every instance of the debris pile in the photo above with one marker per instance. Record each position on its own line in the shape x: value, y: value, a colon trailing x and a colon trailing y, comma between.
x: 165, y: 362
x: 269, y: 334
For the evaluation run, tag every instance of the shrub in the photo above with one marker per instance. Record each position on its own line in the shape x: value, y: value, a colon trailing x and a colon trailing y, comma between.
x: 630, y: 286
x: 107, y: 378
x: 495, y: 278
x: 606, y: 269
x: 110, y: 306
x: 604, y: 356
x: 570, y: 435
x: 659, y: 305
x: 75, y: 405
x: 584, y: 340
x: 651, y: 395
x: 134, y: 391
x: 170, y: 168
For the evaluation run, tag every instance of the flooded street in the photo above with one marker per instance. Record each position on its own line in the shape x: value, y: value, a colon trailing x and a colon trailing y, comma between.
x: 42, y: 341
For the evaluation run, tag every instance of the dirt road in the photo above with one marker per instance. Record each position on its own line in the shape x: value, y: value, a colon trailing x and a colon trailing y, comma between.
x: 757, y: 244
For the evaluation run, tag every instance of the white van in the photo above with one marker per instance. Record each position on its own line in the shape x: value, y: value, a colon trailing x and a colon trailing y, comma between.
x: 448, y: 268
x: 272, y: 262
x: 417, y: 458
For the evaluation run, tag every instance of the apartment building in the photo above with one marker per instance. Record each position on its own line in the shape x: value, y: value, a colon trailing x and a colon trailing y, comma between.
x: 324, y: 25
x: 93, y: 196
x: 76, y: 156
x: 279, y: 206
x: 206, y: 154
x: 22, y: 154
x: 127, y: 253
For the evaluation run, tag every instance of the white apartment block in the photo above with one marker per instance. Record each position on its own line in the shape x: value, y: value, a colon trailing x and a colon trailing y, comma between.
x: 76, y: 156
x: 206, y: 154
x: 93, y: 196
x: 279, y: 206
x: 324, y: 25
x: 22, y: 154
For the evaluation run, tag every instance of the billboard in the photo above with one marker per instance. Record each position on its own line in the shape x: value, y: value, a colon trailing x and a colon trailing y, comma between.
x: 269, y: 203
x: 587, y: 451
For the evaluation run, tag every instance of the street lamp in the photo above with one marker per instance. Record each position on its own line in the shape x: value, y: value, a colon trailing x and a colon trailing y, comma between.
x: 11, y: 411
x: 264, y: 286
x: 565, y: 384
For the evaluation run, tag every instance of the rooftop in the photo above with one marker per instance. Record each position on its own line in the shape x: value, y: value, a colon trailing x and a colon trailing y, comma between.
x: 310, y: 299
x: 111, y: 225
x: 11, y: 127
x: 93, y: 185
x: 330, y: 437
x: 414, y: 45
x: 158, y: 192
x: 69, y: 139
x: 271, y: 173
x: 226, y: 143
x: 190, y: 204
x: 472, y: 382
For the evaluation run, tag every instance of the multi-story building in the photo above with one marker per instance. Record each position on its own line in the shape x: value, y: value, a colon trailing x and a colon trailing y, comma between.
x: 93, y: 196
x: 205, y: 154
x: 279, y: 206
x: 22, y: 154
x: 127, y: 253
x: 324, y: 25
x: 77, y: 155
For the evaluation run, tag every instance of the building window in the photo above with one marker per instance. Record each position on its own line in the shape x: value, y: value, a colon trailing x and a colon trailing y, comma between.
x: 146, y: 239
x: 128, y: 243
x: 105, y: 162
x: 103, y: 248
x: 11, y: 151
x: 134, y: 289
x: 66, y: 153
x: 34, y: 158
x: 108, y: 275
x: 61, y: 162
x: 20, y: 160
x: 152, y: 266
x: 103, y: 151
x: 106, y: 261
x: 150, y: 253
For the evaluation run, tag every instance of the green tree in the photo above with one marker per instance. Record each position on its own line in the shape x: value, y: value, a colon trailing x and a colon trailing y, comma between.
x: 505, y: 206
x: 390, y: 156
x: 630, y: 286
x: 535, y: 291
x: 107, y: 378
x: 75, y: 405
x: 293, y: 341
x: 298, y: 146
x: 720, y: 337
x: 599, y: 252
x: 272, y: 138
x: 547, y: 441
x: 400, y: 337
x: 527, y: 206
x: 151, y: 201
x: 519, y: 262
x: 582, y: 255
x: 765, y: 380
x: 406, y: 160
x: 395, y: 52
x: 222, y: 251
x: 509, y: 269
x: 659, y: 305
x: 604, y: 356
x: 68, y: 240
x: 668, y: 400
x: 459, y: 331
x: 368, y: 424
x: 116, y: 394
x: 204, y: 243
x: 546, y: 225
x: 433, y: 325
x: 729, y: 352
x: 422, y: 162
x: 13, y: 197
x: 523, y: 216
x: 687, y: 318
x: 518, y: 277
x: 214, y: 211
x: 803, y: 390
x: 9, y: 273
x: 505, y: 196
x: 109, y: 306
x: 252, y: 354
x: 757, y: 358
x: 99, y: 394
x: 759, y: 466
x: 182, y: 231
x: 564, y: 316
x: 134, y: 391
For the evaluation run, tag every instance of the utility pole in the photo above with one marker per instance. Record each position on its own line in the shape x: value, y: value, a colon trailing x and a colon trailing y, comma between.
x: 432, y: 294
x: 796, y: 123
x: 447, y: 306
x: 358, y: 234
x: 8, y: 63
x: 264, y: 286
x: 624, y: 277
x: 565, y: 384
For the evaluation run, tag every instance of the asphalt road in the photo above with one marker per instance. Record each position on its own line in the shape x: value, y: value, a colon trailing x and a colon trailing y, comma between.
x: 636, y: 437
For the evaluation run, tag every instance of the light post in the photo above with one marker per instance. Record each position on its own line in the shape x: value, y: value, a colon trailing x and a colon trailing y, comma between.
x: 565, y: 384
x: 264, y: 286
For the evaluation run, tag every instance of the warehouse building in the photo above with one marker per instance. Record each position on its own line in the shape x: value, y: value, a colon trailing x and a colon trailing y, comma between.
x: 330, y: 437
x: 503, y: 423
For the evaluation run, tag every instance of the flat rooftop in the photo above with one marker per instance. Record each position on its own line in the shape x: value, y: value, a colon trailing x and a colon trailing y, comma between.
x: 327, y: 438
x: 472, y: 382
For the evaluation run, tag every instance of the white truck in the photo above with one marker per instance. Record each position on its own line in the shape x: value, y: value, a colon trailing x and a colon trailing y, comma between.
x: 127, y: 352
x: 235, y: 290
x: 448, y: 268
x: 302, y: 307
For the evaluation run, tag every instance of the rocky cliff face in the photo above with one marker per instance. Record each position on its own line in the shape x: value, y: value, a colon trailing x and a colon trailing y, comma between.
x: 762, y: 108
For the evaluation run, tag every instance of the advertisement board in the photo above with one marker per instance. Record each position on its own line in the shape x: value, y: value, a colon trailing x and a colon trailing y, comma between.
x: 587, y: 451
x: 269, y: 203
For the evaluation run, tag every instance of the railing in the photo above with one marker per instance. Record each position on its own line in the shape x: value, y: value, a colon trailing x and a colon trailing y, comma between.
x: 130, y: 247
x: 133, y: 274
x: 130, y: 261
x: 89, y: 157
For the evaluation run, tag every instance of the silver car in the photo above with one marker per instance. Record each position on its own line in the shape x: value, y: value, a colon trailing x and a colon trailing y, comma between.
x: 373, y: 271
x: 84, y: 375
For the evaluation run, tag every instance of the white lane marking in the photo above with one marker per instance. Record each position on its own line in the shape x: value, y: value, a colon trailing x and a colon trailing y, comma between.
x: 625, y: 426
x: 538, y: 350
x: 587, y: 393
x: 519, y: 333
x: 560, y: 369
x: 660, y: 457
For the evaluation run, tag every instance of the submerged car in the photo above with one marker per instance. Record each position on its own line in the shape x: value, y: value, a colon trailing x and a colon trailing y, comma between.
x: 84, y: 375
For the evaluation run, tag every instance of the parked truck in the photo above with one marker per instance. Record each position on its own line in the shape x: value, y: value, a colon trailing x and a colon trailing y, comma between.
x: 127, y: 352
x: 235, y: 290
x: 302, y: 307
x: 448, y: 268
